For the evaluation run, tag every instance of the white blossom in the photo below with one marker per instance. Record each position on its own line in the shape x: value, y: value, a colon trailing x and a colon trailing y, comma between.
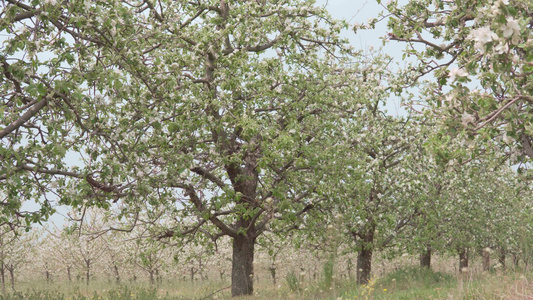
x: 482, y: 36
x: 511, y: 27
x: 457, y: 72
x: 467, y: 118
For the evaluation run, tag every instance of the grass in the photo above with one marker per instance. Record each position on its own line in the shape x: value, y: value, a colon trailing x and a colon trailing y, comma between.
x: 404, y: 283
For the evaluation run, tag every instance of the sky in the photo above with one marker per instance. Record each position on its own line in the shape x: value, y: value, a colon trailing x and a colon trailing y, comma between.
x: 352, y: 11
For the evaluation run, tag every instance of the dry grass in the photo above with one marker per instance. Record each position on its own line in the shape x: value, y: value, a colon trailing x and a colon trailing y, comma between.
x: 398, y: 279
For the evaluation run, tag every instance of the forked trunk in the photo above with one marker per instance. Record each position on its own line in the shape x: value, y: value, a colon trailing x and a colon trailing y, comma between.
x: 425, y: 258
x: 242, y: 271
x: 364, y: 257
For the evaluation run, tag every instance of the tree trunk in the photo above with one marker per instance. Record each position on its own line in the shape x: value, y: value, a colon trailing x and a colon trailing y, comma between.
x: 242, y: 271
x: 364, y: 257
x: 117, y: 274
x: 69, y: 274
x: 12, y: 276
x: 501, y: 258
x: 152, y: 281
x: 516, y: 260
x: 88, y: 273
x: 425, y: 258
x: 463, y: 260
x: 3, y: 276
x: 273, y: 274
x: 349, y: 268
x: 192, y: 274
x: 158, y: 276
x: 486, y: 259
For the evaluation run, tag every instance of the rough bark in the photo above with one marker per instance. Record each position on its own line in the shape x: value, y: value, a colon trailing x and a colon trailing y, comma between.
x: 425, y: 258
x: 242, y: 271
x: 364, y: 257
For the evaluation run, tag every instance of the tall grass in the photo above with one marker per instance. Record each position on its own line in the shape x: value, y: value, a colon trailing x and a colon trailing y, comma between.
x: 403, y: 283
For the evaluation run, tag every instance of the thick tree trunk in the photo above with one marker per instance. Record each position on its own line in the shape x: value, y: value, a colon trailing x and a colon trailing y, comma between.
x: 152, y: 281
x: 364, y: 257
x: 463, y: 260
x: 242, y: 271
x: 425, y: 258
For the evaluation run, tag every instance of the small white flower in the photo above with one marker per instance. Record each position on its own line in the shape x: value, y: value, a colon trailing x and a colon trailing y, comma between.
x: 482, y: 36
x: 495, y: 9
x: 507, y: 138
x: 501, y: 48
x: 467, y: 118
x: 511, y: 27
x: 457, y: 72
